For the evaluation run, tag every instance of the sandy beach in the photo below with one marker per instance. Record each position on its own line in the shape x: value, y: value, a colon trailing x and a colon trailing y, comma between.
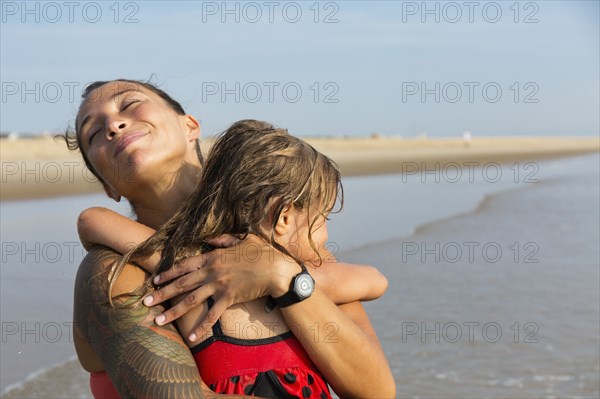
x: 42, y: 167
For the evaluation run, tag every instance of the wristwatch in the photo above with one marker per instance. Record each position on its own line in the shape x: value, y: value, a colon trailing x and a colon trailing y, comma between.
x: 301, y: 287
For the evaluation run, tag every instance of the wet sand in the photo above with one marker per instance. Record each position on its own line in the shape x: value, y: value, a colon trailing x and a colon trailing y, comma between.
x: 43, y: 167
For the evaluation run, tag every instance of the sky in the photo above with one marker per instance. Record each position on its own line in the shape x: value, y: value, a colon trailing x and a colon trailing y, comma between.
x: 397, y: 68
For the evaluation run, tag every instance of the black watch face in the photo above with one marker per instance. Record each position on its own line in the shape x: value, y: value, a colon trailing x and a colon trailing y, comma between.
x: 304, y: 285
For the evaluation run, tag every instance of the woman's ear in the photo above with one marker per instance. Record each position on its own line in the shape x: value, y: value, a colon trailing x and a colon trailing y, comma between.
x: 193, y: 127
x: 111, y: 192
x: 284, y: 223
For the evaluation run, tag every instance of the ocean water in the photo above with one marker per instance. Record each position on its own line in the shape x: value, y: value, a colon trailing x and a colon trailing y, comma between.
x: 501, y: 302
x: 40, y: 255
x: 494, y: 281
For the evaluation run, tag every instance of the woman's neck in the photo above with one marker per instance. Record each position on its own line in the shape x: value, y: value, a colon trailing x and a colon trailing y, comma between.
x: 158, y: 202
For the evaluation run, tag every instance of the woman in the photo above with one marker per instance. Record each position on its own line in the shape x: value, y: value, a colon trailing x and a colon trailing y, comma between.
x: 142, y: 146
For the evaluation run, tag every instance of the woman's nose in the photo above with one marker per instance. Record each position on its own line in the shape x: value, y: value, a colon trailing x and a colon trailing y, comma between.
x: 114, y: 128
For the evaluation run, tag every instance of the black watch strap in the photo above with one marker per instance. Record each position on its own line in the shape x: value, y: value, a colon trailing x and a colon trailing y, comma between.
x: 290, y: 297
x: 287, y: 299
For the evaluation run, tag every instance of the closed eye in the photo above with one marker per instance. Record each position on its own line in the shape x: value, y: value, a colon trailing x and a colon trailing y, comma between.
x: 92, y: 135
x: 129, y: 103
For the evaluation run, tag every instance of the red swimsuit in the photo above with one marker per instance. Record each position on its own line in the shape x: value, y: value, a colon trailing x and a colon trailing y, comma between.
x: 274, y: 367
x: 102, y: 386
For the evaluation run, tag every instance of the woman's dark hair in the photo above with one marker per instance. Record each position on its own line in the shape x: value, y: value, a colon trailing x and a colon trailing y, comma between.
x: 252, y: 174
x: 73, y: 140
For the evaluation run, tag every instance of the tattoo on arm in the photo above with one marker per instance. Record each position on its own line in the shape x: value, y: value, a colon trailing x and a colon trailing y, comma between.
x: 141, y: 358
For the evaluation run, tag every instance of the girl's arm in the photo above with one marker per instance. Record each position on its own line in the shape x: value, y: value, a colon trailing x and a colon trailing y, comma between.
x: 345, y: 282
x: 325, y: 330
x: 105, y: 227
x: 342, y: 343
x: 245, y: 272
x: 341, y: 282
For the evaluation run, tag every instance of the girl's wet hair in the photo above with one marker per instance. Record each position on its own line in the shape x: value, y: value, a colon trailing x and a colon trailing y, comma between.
x: 253, y: 172
x: 72, y: 136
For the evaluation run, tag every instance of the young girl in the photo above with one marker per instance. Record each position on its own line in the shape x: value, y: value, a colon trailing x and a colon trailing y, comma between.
x: 258, y: 180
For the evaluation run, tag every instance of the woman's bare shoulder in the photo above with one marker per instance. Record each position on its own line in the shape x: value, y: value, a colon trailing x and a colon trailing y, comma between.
x: 94, y: 272
x: 91, y: 294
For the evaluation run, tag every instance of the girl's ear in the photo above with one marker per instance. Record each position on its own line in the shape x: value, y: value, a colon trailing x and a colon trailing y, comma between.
x: 284, y: 223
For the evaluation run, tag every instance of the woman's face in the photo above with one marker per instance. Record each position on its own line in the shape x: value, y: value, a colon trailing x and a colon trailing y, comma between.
x: 133, y: 137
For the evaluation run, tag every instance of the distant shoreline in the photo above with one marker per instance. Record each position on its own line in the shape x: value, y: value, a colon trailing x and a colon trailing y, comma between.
x: 42, y: 167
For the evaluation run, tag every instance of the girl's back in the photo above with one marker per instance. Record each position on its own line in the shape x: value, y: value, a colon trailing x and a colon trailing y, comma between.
x: 251, y: 351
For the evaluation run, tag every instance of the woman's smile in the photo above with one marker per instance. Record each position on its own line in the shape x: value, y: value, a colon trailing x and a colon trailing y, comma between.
x: 124, y: 141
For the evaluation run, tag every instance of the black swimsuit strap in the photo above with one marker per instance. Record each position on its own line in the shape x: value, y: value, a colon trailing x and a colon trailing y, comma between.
x: 219, y: 335
x: 216, y: 328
